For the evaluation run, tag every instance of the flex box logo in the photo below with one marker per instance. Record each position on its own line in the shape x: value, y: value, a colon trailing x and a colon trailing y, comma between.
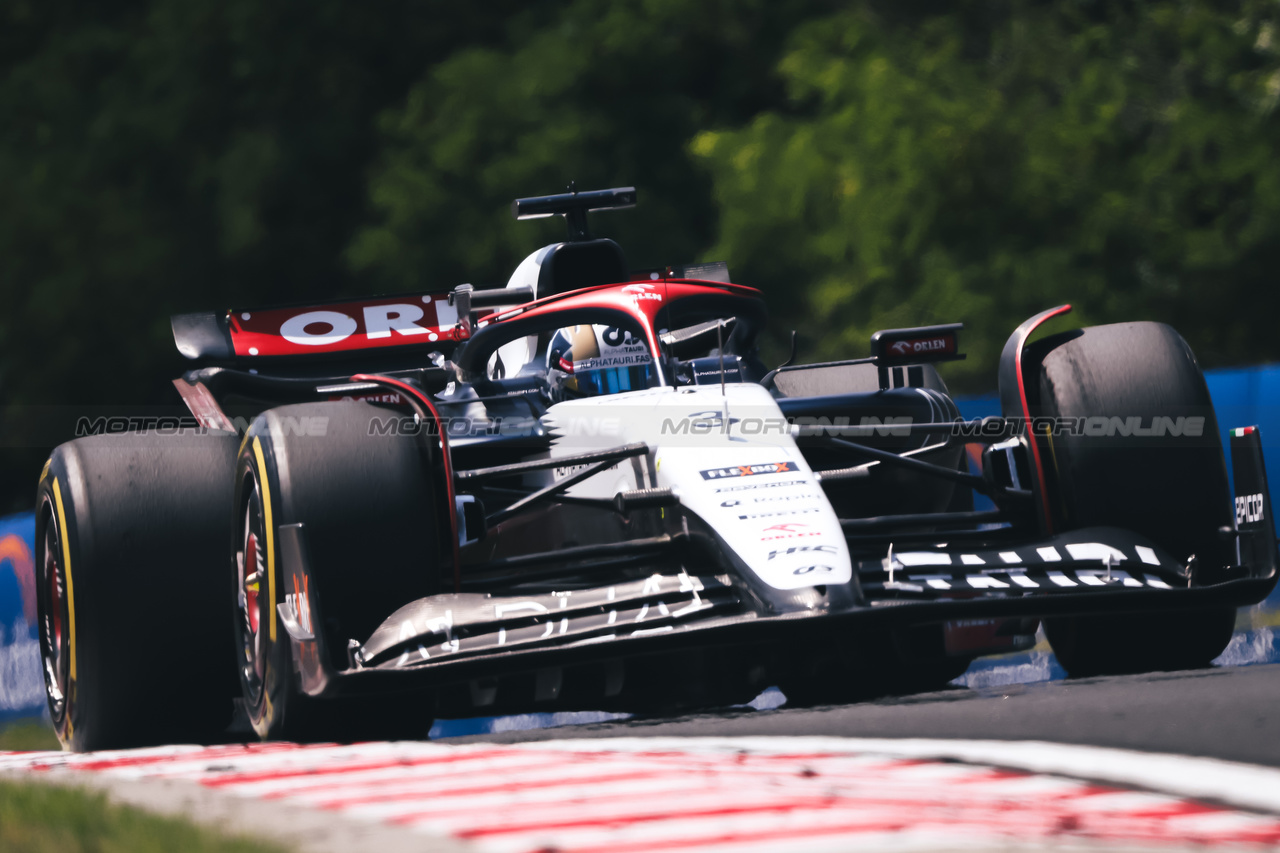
x: 749, y: 470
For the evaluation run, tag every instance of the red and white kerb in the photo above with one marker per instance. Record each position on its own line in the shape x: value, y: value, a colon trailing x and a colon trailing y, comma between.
x: 757, y: 794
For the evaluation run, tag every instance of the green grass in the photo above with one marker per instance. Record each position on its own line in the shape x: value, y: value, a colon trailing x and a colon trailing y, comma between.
x: 27, y: 734
x: 41, y: 818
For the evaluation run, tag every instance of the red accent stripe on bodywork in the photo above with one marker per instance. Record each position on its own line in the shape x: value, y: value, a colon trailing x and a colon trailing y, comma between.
x: 202, y: 404
x: 1014, y: 346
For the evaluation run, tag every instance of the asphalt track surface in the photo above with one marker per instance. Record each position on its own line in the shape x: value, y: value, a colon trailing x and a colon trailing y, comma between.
x: 1230, y: 713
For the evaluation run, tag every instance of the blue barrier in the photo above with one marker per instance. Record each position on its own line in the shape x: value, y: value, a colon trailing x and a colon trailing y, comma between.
x: 21, y: 684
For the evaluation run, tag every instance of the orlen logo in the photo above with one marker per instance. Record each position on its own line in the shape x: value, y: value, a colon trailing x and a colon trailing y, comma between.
x: 748, y: 470
x: 344, y: 326
x: 322, y: 328
x: 787, y: 530
x: 924, y: 345
x: 641, y: 292
x: 787, y: 527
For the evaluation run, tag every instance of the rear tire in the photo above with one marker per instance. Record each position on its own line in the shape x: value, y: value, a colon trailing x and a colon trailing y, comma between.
x: 1171, y: 489
x: 369, y: 516
x: 131, y: 544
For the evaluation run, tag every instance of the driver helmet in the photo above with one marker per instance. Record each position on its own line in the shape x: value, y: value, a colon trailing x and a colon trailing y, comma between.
x: 592, y: 361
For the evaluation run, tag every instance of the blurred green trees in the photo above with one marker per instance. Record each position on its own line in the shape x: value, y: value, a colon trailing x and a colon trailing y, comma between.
x: 869, y: 165
x: 989, y: 161
x: 604, y: 93
x: 166, y: 156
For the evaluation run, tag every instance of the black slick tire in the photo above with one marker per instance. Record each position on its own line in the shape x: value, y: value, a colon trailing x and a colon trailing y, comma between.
x: 131, y: 548
x: 368, y: 509
x: 1171, y: 488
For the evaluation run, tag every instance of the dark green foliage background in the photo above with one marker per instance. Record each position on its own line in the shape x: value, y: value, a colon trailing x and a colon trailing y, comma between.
x: 868, y: 164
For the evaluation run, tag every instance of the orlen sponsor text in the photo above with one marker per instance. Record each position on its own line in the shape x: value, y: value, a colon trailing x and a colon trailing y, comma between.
x: 945, y: 343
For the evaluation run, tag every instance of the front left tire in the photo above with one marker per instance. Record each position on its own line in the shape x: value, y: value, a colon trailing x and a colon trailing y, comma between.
x: 366, y: 499
x: 131, y: 538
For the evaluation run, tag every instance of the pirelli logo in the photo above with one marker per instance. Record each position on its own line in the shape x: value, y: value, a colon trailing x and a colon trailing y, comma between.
x: 749, y: 470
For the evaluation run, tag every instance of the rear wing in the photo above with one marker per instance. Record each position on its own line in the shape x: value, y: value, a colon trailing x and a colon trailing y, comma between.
x: 369, y: 324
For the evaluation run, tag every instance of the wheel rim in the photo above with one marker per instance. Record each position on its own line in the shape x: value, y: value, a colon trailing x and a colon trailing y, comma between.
x: 55, y: 619
x: 250, y: 568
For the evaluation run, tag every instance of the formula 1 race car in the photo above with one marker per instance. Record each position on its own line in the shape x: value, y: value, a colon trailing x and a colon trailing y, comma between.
x: 585, y: 491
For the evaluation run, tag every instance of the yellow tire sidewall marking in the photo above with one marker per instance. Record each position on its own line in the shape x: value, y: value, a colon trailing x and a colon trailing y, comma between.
x: 71, y: 599
x: 66, y: 569
x: 270, y: 531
